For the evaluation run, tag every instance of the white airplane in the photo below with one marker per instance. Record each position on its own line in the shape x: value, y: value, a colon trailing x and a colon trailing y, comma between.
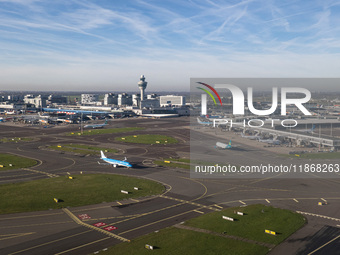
x: 43, y: 121
x: 270, y: 141
x: 114, y: 162
x: 251, y: 137
x: 204, y: 122
x: 96, y: 125
x: 11, y: 112
x: 310, y: 131
x: 220, y: 145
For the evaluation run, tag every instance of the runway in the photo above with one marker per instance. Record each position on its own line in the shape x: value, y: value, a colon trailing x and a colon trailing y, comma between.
x: 58, y: 232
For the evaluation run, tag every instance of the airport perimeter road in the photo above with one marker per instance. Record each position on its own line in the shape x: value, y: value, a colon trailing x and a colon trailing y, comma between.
x: 72, y: 230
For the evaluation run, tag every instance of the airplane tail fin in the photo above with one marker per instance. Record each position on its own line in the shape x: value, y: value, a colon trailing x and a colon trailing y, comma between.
x: 105, y: 121
x: 313, y: 128
x: 102, y: 154
x: 125, y: 159
x: 229, y: 143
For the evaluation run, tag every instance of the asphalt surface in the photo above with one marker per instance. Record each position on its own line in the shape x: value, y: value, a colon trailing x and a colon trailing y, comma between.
x: 56, y: 232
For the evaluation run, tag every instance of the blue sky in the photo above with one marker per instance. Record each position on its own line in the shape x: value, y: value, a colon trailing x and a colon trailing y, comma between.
x: 108, y: 44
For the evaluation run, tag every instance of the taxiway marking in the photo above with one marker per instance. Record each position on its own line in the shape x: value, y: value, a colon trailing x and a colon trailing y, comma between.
x: 219, y: 206
x: 54, y: 241
x: 191, y: 203
x: 318, y: 215
x: 198, y: 211
x: 40, y: 172
x: 78, y: 247
x: 78, y: 221
x: 324, y: 245
x: 9, y: 236
x: 146, y: 225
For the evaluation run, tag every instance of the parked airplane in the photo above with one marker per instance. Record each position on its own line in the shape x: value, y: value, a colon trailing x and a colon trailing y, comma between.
x: 204, y: 122
x: 43, y: 121
x: 270, y: 141
x: 220, y: 145
x: 11, y: 112
x: 251, y: 137
x: 96, y: 125
x: 310, y: 131
x: 114, y: 162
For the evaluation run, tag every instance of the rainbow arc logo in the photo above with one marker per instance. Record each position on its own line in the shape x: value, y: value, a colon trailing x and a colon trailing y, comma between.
x: 209, y: 93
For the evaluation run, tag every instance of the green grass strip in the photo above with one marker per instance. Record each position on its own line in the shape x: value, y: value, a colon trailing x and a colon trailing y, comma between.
x: 172, y: 164
x: 106, y: 131
x: 15, y: 161
x: 174, y: 241
x: 147, y: 139
x: 81, y: 190
x: 320, y: 155
x: 81, y: 148
x: 16, y: 139
x: 252, y: 225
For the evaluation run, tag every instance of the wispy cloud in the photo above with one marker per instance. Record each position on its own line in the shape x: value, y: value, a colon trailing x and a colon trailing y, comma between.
x: 167, y: 38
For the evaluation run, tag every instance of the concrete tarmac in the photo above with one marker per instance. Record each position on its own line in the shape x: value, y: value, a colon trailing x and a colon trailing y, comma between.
x: 56, y: 232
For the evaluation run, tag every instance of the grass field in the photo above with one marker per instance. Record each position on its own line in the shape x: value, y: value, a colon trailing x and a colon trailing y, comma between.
x: 147, y: 139
x: 106, y: 131
x: 82, y: 190
x: 320, y: 155
x: 253, y: 224
x: 81, y: 148
x: 174, y: 241
x: 15, y: 139
x: 176, y: 163
x: 16, y: 161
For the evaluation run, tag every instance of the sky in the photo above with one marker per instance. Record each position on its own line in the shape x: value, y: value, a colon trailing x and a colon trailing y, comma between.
x: 105, y: 45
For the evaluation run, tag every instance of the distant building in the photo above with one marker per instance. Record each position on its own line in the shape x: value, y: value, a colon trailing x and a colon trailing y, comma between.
x: 56, y: 99
x: 171, y: 100
x: 11, y: 98
x: 89, y: 99
x: 152, y: 96
x: 124, y: 99
x: 110, y: 98
x: 38, y: 101
x: 149, y: 103
x: 135, y: 99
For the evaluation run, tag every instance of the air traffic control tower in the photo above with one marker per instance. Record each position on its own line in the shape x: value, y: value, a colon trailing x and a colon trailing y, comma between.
x: 142, y: 86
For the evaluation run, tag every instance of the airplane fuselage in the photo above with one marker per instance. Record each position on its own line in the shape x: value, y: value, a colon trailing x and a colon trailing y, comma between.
x: 116, y: 162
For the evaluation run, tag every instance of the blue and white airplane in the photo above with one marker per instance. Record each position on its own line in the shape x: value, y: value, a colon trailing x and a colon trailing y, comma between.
x: 114, y: 162
x: 207, y: 123
x: 96, y: 125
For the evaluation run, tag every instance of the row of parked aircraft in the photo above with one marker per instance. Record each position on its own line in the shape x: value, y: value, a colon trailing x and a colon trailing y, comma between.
x: 251, y: 137
x: 220, y: 145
